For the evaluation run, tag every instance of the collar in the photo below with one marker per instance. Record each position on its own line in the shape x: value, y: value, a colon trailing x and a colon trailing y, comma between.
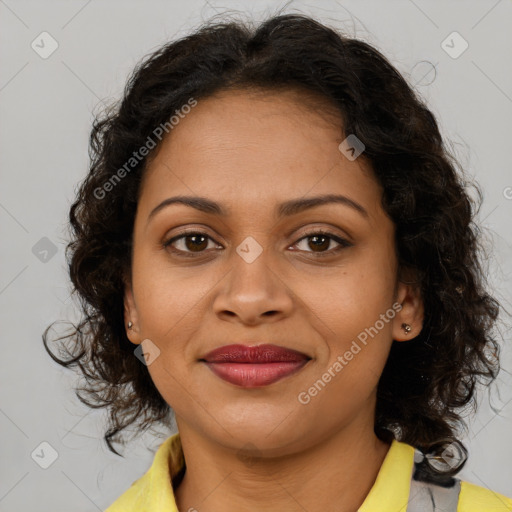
x: 153, y: 492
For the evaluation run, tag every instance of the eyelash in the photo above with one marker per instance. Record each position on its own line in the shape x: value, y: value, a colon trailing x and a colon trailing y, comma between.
x: 343, y: 244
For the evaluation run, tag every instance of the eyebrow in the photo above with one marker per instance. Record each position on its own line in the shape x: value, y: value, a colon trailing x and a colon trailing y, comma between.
x: 286, y: 209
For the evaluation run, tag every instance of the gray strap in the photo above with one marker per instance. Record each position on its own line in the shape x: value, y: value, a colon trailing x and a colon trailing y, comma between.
x: 428, y: 497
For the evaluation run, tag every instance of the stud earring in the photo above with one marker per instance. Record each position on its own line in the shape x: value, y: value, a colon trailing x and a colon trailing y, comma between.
x: 406, y: 328
x: 130, y: 325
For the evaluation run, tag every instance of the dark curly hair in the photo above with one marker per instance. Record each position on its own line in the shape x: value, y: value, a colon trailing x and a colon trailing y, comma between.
x: 426, y: 381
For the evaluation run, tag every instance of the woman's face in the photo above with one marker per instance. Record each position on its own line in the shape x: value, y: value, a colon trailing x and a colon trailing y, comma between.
x: 258, y: 275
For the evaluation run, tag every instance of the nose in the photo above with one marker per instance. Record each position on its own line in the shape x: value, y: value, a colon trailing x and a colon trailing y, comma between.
x: 253, y: 293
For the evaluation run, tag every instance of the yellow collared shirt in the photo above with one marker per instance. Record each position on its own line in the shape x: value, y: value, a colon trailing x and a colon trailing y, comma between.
x: 390, y: 492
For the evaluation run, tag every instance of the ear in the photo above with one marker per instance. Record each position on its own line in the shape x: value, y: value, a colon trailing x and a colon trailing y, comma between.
x: 130, y: 313
x: 408, y: 295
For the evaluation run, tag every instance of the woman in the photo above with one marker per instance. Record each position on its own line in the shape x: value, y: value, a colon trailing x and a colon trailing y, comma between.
x: 272, y: 222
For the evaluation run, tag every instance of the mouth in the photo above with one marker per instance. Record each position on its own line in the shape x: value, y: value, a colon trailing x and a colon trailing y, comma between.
x: 254, y: 366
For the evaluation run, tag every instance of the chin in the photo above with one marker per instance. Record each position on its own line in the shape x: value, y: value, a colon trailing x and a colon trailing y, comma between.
x: 261, y: 436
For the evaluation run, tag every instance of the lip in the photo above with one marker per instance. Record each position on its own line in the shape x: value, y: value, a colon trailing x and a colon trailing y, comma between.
x: 254, y: 366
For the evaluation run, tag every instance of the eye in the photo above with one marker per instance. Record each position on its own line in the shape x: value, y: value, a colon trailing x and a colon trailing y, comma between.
x: 320, y: 242
x: 186, y: 244
x: 189, y: 243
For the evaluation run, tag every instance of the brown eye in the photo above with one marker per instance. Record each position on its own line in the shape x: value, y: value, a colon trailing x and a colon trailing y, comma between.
x: 196, y: 243
x: 320, y: 243
x: 189, y: 243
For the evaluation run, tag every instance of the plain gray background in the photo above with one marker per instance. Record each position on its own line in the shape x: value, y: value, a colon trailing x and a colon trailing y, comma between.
x: 46, y: 113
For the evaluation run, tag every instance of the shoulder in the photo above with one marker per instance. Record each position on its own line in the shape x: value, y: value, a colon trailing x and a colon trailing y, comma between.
x: 153, y: 491
x: 474, y: 498
x: 133, y: 498
x: 432, y: 493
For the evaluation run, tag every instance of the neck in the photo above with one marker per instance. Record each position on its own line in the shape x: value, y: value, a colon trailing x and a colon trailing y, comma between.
x: 336, y: 473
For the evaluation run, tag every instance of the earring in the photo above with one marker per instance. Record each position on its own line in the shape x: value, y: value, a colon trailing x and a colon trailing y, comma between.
x: 406, y: 328
x: 130, y: 325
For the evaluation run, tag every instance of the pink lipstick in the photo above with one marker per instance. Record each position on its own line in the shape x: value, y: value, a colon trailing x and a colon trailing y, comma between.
x: 254, y: 366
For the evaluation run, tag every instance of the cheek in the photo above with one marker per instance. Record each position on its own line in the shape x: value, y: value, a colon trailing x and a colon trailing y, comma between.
x: 169, y: 298
x: 353, y: 311
x: 349, y: 300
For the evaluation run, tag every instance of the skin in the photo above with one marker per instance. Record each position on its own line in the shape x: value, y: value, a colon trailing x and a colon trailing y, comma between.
x: 261, y: 449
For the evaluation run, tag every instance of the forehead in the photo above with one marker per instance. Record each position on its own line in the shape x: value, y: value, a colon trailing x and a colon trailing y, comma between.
x: 257, y: 147
x: 237, y: 123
